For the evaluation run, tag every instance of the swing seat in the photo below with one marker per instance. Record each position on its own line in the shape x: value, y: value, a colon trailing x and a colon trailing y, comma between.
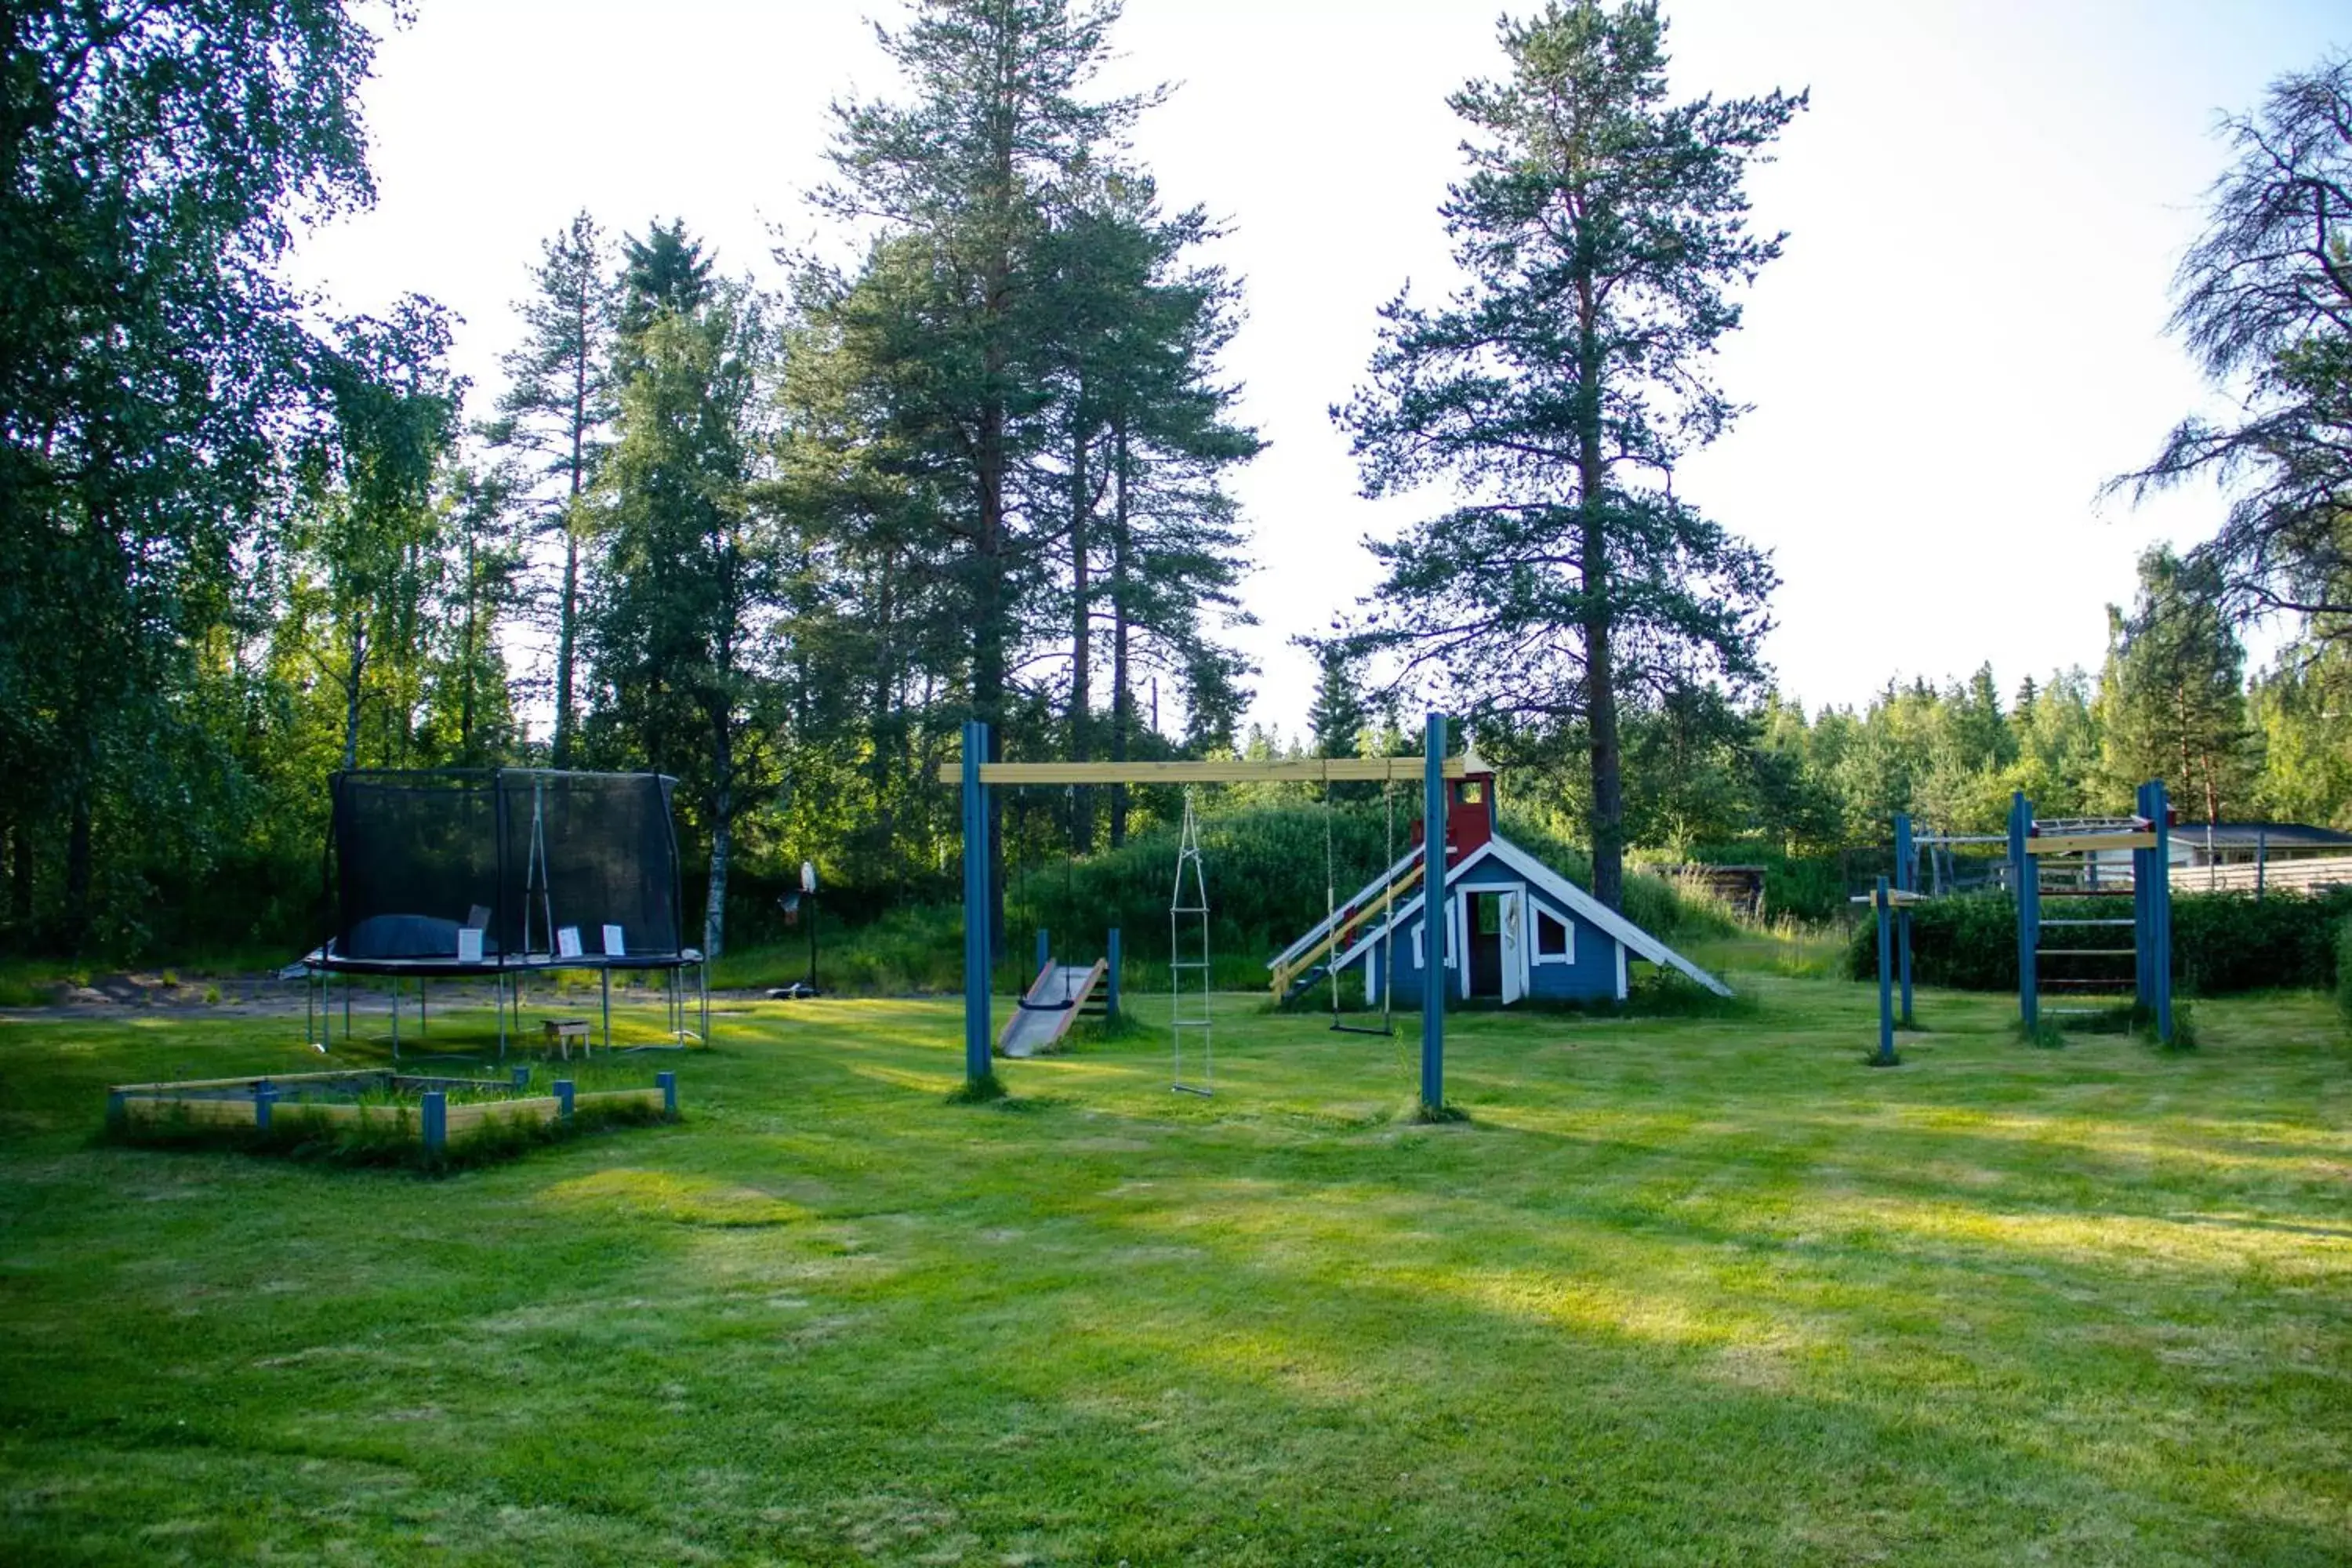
x: 1041, y: 1019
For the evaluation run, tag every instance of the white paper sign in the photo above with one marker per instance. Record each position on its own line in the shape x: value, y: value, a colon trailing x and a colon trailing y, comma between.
x: 567, y: 942
x: 469, y: 946
x: 612, y: 945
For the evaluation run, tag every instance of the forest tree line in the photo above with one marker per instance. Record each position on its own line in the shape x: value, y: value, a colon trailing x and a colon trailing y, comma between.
x: 779, y: 539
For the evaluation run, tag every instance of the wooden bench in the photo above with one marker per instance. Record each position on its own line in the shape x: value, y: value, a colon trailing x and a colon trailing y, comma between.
x: 561, y: 1032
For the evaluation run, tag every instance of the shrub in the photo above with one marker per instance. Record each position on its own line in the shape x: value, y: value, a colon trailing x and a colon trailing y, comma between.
x: 2222, y: 943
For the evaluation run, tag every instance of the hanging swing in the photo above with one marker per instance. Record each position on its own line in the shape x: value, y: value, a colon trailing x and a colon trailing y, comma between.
x: 1339, y: 1024
x: 1027, y: 999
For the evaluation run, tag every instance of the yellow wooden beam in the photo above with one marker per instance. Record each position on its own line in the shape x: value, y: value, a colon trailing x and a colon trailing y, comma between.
x: 1896, y: 898
x: 1296, y: 770
x: 2080, y: 843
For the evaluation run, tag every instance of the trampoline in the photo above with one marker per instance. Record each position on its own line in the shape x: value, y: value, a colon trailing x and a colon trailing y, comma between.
x: 498, y: 873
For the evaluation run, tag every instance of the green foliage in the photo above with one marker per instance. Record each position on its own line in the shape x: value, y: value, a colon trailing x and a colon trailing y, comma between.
x: 158, y: 160
x: 2222, y: 943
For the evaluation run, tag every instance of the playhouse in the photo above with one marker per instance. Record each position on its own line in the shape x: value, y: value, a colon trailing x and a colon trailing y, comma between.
x: 1510, y: 926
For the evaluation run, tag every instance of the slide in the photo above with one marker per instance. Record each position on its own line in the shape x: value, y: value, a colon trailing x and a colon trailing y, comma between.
x: 1061, y: 992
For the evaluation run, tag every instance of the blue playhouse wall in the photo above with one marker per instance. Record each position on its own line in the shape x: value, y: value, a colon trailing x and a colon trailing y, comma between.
x: 1594, y: 975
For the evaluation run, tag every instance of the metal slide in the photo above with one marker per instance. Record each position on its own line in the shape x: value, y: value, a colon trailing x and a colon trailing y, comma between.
x: 1059, y: 995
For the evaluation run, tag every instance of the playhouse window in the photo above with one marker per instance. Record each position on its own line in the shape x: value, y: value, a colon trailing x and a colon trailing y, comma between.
x: 1552, y: 939
x: 1474, y: 791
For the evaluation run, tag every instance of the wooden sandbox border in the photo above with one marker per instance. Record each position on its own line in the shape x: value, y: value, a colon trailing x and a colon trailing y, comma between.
x: 206, y: 1102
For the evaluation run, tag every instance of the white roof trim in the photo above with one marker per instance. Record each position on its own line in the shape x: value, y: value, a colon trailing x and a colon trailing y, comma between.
x: 1565, y: 893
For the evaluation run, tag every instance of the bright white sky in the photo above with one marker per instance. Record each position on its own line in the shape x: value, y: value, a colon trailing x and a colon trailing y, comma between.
x: 1964, y: 339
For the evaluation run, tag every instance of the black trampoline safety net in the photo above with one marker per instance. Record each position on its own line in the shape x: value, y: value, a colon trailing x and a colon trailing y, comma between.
x: 503, y: 867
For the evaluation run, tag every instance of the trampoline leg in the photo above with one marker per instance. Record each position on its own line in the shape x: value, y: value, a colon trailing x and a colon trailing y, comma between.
x: 347, y: 1009
x: 395, y: 1017
x: 498, y: 994
x: 606, y: 976
x: 424, y: 1025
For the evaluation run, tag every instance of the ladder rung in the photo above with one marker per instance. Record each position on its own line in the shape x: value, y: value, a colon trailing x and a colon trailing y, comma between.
x: 2085, y: 952
x: 2125, y: 922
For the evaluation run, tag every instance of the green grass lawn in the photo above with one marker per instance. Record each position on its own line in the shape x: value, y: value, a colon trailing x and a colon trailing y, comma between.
x: 1684, y: 1291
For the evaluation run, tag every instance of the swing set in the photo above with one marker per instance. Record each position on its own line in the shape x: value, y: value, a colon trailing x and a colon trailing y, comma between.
x: 977, y: 776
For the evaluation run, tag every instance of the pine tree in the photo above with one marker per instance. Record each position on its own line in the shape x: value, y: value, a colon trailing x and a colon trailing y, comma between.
x: 558, y: 409
x: 1149, y: 438
x: 1339, y: 716
x: 2266, y: 304
x: 1599, y: 228
x: 2176, y: 698
x: 682, y: 611
x: 965, y: 176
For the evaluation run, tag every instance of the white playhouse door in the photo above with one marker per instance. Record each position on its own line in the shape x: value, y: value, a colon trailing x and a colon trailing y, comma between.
x: 1515, y: 945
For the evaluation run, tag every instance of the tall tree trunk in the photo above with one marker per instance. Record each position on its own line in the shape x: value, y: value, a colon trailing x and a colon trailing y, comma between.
x: 351, y: 680
x: 722, y: 833
x: 988, y: 652
x: 567, y: 614
x: 20, y: 877
x: 887, y: 744
x: 1082, y: 813
x: 468, y: 665
x: 1599, y: 660
x: 567, y: 639
x: 78, y: 863
x: 1122, y: 696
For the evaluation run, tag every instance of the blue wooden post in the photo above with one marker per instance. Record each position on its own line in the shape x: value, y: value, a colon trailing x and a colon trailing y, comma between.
x: 976, y: 1066
x: 667, y: 1083
x: 2143, y: 895
x: 2027, y: 881
x: 265, y: 1095
x: 117, y: 1108
x: 521, y: 1077
x: 1111, y: 962
x: 1433, y: 917
x: 433, y: 1114
x: 1908, y: 881
x: 1880, y: 901
x: 2160, y: 909
x: 1044, y: 952
x: 564, y: 1097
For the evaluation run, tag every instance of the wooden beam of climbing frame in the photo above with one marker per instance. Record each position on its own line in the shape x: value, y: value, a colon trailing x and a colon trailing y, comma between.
x: 2080, y: 843
x: 1296, y: 769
